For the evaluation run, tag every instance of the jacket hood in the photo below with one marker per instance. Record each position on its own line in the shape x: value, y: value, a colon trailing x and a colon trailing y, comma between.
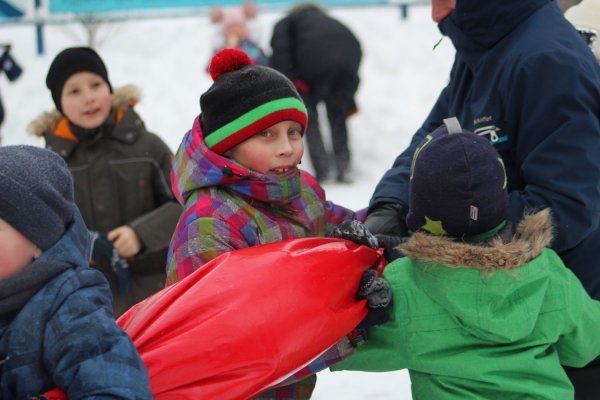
x: 73, y: 248
x: 531, y: 236
x: 70, y: 251
x: 485, y: 285
x: 477, y: 25
x: 122, y: 97
x: 197, y: 167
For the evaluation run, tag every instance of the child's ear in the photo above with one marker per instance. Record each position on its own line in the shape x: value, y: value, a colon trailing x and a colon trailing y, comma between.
x: 37, y: 252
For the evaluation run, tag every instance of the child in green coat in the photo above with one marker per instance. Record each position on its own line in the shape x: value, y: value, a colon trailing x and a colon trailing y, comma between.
x: 483, y: 309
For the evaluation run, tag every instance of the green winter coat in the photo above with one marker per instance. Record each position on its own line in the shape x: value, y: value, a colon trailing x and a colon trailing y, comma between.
x: 498, y: 329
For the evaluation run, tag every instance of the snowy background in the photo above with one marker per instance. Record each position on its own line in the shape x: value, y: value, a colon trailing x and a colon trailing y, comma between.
x: 401, y: 76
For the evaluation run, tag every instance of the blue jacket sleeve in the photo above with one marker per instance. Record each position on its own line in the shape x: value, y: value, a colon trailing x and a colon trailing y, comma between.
x: 88, y: 354
x: 555, y: 103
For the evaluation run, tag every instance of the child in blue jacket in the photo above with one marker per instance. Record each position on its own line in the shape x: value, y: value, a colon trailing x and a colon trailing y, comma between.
x: 56, y: 322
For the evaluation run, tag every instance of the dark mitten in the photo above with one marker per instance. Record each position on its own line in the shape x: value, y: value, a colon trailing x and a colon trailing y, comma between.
x: 379, y: 299
x: 121, y: 270
x: 355, y: 231
x: 390, y: 246
x: 9, y: 65
x: 102, y: 248
x: 387, y: 219
x: 104, y: 252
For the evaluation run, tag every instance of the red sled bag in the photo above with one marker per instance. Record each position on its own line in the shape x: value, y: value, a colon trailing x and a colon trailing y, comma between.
x: 249, y: 318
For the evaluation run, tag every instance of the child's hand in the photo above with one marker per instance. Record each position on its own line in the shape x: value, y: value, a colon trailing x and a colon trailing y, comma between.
x: 355, y: 231
x: 126, y: 241
x: 378, y: 293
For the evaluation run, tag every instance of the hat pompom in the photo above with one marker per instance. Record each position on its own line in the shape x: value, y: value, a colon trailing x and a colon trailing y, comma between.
x: 227, y: 60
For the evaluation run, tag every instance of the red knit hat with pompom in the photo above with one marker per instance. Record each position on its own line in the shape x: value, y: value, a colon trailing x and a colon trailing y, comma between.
x: 245, y: 99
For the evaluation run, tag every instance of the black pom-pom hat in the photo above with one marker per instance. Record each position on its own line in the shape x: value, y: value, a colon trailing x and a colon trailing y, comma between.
x: 245, y: 99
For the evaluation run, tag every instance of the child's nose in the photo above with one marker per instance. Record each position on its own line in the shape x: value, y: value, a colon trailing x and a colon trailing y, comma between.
x: 285, y: 146
x: 88, y: 95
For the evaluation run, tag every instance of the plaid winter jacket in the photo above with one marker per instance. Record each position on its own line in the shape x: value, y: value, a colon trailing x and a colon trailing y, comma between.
x: 229, y: 207
x: 57, y: 329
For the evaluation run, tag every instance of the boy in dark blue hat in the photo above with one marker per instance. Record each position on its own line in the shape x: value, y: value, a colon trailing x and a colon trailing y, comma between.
x: 56, y: 322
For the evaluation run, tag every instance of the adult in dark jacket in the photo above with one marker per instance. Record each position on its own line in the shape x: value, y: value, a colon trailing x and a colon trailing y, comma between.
x: 524, y: 79
x: 122, y: 180
x: 56, y: 322
x: 322, y: 57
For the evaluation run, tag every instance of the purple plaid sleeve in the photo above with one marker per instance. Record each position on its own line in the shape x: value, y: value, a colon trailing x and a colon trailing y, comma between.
x: 198, y: 242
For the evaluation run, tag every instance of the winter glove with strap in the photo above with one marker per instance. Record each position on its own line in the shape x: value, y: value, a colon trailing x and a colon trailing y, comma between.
x: 387, y: 219
x: 390, y: 245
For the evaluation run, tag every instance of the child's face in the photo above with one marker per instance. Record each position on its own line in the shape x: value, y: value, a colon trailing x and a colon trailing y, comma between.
x: 16, y: 251
x: 86, y: 99
x: 275, y: 150
x: 238, y: 30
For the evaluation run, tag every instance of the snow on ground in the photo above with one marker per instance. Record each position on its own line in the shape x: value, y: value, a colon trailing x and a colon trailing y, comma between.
x: 401, y: 76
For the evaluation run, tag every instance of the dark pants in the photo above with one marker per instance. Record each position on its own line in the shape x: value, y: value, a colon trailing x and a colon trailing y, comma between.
x: 1, y: 118
x: 1, y: 112
x: 337, y: 92
x: 585, y: 380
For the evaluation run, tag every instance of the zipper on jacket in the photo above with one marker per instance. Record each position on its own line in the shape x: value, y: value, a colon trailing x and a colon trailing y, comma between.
x: 3, y: 361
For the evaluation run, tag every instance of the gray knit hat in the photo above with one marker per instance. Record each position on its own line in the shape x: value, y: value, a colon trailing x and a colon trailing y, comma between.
x: 36, y: 193
x: 457, y: 185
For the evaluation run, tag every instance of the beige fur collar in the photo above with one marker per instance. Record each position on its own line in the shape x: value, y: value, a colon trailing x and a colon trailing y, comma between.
x: 46, y: 121
x: 532, y: 235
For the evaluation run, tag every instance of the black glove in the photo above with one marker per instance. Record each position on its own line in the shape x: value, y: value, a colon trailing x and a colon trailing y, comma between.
x: 390, y: 246
x: 379, y: 299
x: 104, y: 252
x: 355, y: 231
x: 387, y: 219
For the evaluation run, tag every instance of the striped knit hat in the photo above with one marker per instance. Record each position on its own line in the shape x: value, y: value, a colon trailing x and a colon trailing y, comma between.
x: 244, y: 100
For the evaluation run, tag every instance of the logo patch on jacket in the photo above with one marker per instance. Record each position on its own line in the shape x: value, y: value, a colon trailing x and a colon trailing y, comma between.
x: 488, y: 130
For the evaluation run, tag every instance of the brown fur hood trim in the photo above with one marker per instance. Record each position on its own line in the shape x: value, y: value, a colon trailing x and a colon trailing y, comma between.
x: 532, y: 235
x: 45, y: 122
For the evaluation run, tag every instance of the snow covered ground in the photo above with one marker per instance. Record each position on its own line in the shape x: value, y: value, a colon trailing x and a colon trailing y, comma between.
x: 401, y: 76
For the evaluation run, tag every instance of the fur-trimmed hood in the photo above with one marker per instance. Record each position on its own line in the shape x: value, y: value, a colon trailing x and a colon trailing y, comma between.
x: 44, y: 123
x: 531, y: 236
x: 496, y: 289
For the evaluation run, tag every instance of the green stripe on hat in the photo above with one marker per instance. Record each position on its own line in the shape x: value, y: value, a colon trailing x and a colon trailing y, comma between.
x: 252, y: 116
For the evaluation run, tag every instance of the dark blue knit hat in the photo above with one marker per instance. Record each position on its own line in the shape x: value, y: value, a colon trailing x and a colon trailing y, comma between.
x: 457, y: 185
x: 36, y: 193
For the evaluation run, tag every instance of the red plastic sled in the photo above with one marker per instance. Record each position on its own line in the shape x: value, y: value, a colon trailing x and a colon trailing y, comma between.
x: 249, y: 318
